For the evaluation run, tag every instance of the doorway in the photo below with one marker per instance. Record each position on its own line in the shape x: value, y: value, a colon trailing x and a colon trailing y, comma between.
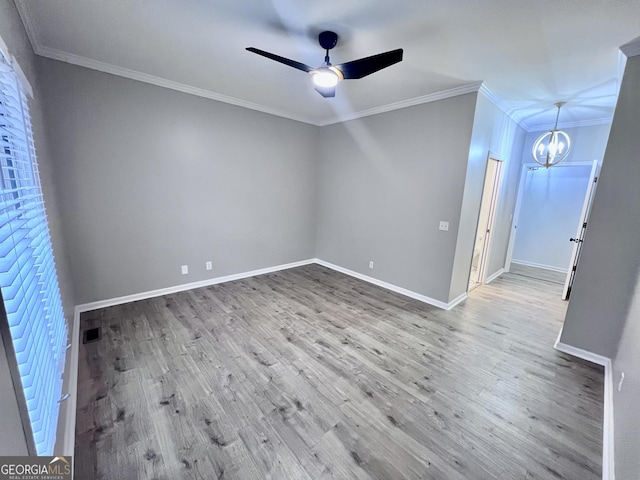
x: 551, y: 204
x: 482, y: 245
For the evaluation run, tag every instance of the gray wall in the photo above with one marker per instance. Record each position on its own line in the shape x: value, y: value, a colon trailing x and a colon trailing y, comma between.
x: 604, y: 309
x: 385, y: 182
x: 496, y: 134
x: 626, y: 419
x: 151, y: 179
x: 14, y: 35
x: 513, y: 140
x: 608, y: 267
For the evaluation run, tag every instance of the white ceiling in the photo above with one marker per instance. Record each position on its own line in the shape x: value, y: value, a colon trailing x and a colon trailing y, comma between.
x: 529, y: 53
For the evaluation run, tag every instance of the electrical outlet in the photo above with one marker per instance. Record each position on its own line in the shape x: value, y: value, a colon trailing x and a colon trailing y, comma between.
x: 208, y: 265
x: 444, y: 226
x: 621, y: 381
x: 370, y: 264
x: 185, y: 269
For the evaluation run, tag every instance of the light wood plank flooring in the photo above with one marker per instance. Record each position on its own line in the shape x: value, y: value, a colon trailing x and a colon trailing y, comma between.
x: 539, y: 274
x: 311, y: 374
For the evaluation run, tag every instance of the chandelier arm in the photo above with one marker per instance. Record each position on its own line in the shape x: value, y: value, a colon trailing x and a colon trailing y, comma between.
x: 553, y: 132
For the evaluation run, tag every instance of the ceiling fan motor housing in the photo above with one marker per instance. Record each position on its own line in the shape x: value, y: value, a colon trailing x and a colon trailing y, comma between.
x: 328, y: 40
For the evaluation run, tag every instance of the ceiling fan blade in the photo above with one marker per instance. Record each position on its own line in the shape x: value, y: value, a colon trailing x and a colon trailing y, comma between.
x: 368, y: 65
x: 278, y: 58
x: 326, y: 92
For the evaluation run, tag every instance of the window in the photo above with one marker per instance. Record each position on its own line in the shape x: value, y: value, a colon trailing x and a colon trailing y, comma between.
x: 28, y: 278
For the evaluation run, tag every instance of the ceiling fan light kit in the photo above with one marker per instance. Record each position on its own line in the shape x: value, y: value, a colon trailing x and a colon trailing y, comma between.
x: 327, y: 76
x: 552, y: 147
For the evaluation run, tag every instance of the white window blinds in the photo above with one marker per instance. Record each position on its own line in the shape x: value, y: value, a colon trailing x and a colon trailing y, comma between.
x: 27, y: 271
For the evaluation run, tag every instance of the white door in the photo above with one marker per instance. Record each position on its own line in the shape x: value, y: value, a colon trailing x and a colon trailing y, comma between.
x: 582, y: 228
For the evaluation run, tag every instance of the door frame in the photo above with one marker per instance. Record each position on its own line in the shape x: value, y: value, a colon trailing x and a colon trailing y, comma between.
x: 493, y: 206
x: 516, y: 211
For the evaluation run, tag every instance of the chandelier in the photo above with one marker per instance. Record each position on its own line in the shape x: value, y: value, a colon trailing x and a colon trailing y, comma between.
x: 552, y: 147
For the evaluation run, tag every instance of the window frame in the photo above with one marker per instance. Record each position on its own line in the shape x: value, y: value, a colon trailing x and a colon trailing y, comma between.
x: 30, y: 298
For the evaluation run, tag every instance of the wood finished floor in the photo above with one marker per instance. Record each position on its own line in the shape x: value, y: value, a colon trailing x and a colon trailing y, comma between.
x: 538, y: 273
x: 310, y: 374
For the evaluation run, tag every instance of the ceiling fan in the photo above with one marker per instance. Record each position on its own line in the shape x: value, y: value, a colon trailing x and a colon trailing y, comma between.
x: 327, y: 76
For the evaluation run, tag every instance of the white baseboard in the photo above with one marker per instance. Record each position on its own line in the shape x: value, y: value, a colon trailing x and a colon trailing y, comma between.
x: 540, y: 265
x: 608, y: 465
x: 86, y: 307
x: 394, y: 288
x: 583, y: 354
x: 491, y: 278
x: 456, y: 301
x: 608, y: 460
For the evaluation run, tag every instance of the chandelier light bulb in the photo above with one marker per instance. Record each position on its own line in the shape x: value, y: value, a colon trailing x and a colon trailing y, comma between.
x: 552, y: 147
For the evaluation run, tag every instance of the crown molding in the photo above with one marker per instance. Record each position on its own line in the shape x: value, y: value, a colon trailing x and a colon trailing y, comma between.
x: 200, y: 92
x: 631, y: 49
x: 432, y: 97
x: 480, y: 87
x: 55, y: 54
x: 576, y: 124
x: 507, y: 109
x: 28, y: 26
x: 161, y: 82
x: 586, y: 123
